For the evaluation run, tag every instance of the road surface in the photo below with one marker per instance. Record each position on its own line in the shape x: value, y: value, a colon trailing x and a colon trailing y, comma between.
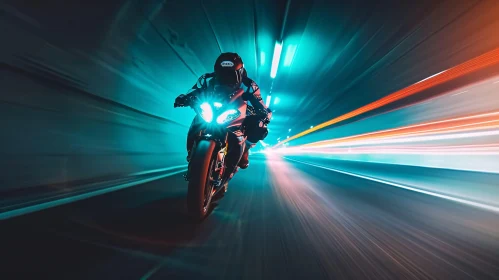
x: 279, y: 220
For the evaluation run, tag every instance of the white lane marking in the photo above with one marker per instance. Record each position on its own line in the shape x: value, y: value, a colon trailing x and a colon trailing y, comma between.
x: 455, y: 199
x: 71, y: 199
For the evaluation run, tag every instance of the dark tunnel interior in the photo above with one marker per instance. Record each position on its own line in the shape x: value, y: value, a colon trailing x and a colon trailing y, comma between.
x: 93, y: 150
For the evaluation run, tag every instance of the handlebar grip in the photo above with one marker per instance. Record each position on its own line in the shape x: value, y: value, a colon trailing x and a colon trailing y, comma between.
x: 186, y: 101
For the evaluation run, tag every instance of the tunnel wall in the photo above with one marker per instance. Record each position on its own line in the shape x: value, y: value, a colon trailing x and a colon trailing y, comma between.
x: 88, y: 93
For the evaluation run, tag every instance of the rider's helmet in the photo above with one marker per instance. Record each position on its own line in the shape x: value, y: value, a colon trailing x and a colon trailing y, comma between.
x: 229, y: 70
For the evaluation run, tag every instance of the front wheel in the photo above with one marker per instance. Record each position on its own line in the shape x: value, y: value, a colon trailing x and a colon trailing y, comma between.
x: 200, y: 190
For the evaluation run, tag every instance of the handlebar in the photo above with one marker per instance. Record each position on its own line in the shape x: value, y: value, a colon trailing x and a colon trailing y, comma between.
x: 188, y: 100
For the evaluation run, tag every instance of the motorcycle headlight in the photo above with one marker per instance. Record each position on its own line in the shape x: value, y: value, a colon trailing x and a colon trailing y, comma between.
x: 206, y: 112
x: 217, y: 104
x: 228, y: 116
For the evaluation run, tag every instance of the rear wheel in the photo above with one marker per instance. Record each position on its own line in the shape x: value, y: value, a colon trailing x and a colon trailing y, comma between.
x: 200, y: 192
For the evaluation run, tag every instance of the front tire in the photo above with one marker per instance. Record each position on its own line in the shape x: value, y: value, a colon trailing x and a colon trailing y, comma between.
x: 201, y: 166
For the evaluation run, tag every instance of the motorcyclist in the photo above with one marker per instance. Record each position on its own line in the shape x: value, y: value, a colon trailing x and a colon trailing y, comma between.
x: 230, y: 75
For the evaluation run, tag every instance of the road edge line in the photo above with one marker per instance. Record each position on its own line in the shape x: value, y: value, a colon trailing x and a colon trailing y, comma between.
x: 447, y: 197
x: 58, y: 202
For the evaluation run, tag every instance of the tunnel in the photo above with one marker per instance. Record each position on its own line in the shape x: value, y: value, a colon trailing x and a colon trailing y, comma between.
x: 380, y: 160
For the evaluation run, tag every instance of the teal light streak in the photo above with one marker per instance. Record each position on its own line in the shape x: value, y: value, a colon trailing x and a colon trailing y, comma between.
x: 290, y: 53
x: 267, y: 102
x: 277, y: 100
x: 276, y: 59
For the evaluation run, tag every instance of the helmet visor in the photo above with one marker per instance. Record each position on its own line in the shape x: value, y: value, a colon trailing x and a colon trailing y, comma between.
x: 229, y: 77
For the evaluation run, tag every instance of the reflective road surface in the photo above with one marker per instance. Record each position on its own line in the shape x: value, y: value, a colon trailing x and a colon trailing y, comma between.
x: 280, y: 219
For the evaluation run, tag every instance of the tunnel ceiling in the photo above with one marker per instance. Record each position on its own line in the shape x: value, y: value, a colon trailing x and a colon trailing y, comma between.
x: 347, y: 53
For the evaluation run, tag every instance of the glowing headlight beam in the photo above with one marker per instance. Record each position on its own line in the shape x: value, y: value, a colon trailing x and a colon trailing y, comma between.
x: 206, y: 112
x: 217, y: 104
x: 276, y: 59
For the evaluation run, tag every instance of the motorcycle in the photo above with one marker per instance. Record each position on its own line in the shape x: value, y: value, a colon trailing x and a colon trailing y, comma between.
x: 206, y: 171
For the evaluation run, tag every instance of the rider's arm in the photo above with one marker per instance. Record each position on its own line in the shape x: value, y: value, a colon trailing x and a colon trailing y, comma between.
x: 201, y: 84
x: 185, y: 99
x: 253, y: 95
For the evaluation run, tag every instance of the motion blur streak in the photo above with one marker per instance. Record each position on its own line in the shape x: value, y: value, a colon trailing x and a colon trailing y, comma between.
x: 404, y: 93
x: 446, y: 131
x: 481, y: 121
x: 463, y: 201
x: 480, y: 62
x: 435, y: 150
x: 482, y: 126
x: 350, y: 237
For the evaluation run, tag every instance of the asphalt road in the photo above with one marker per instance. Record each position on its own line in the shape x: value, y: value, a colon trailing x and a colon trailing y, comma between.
x: 279, y: 220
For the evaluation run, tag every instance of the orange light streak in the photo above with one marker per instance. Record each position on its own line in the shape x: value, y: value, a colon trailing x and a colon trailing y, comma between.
x: 476, y: 122
x: 475, y: 64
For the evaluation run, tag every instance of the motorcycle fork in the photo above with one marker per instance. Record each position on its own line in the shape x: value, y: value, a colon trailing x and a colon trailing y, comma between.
x: 193, y: 148
x: 220, y: 164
